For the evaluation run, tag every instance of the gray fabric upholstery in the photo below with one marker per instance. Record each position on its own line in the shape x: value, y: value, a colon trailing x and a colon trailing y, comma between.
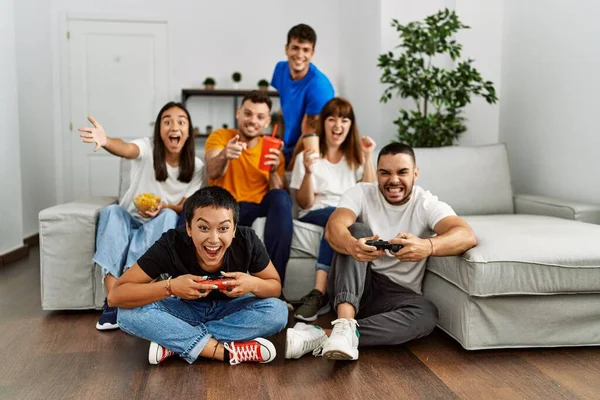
x: 473, y: 180
x: 514, y: 321
x: 542, y: 205
x: 525, y: 254
x: 67, y: 244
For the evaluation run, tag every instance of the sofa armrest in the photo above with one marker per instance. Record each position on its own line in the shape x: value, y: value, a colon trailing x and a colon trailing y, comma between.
x: 542, y: 205
x: 67, y: 245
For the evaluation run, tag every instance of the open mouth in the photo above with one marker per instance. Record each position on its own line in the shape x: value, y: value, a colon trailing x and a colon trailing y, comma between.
x: 174, y: 139
x: 394, y: 191
x: 337, y: 135
x: 212, y: 251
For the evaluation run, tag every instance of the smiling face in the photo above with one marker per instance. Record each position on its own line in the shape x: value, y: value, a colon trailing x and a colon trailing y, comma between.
x: 174, y: 129
x: 299, y: 54
x: 252, y: 119
x: 336, y: 130
x: 396, y: 176
x: 212, y: 229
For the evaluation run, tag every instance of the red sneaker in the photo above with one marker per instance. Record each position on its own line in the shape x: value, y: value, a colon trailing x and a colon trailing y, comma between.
x: 257, y: 350
x: 158, y: 354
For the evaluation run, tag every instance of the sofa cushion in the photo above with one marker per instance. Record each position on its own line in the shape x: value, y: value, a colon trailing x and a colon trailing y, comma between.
x: 305, y: 240
x: 473, y: 180
x: 525, y: 254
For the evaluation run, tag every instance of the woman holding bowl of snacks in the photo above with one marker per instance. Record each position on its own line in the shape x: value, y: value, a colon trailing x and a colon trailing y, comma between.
x: 164, y: 172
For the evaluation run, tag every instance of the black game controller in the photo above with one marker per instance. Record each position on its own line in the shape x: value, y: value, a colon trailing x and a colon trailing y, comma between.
x: 384, y: 245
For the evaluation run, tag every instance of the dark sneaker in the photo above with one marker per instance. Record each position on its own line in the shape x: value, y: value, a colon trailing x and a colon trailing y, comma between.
x: 108, y: 319
x: 313, y: 304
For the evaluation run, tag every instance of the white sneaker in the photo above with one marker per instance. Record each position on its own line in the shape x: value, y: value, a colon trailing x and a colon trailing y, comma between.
x: 302, y: 339
x: 158, y: 354
x: 343, y: 342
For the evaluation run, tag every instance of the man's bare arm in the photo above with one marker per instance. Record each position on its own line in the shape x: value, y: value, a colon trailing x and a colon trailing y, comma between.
x: 454, y: 236
x: 216, y: 163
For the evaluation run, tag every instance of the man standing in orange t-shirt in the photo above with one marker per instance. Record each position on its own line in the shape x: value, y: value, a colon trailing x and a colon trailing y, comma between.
x: 232, y: 159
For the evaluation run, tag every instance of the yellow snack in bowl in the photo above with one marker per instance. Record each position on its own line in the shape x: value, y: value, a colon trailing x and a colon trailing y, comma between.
x: 146, y: 201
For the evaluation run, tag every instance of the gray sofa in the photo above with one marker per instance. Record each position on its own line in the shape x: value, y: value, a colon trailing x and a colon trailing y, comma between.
x: 534, y: 278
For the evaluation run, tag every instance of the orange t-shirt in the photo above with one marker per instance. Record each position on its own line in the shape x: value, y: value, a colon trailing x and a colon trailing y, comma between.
x: 243, y: 179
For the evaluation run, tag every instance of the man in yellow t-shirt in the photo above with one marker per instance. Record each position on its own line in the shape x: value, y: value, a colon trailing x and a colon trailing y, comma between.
x: 232, y: 159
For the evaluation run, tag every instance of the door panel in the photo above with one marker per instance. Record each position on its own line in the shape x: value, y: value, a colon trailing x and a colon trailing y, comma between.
x: 119, y: 75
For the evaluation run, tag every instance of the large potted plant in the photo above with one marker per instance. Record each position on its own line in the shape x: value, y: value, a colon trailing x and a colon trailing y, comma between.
x: 439, y: 94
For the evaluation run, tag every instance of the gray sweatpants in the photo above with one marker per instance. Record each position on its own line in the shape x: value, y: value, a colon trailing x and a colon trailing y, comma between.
x: 387, y: 313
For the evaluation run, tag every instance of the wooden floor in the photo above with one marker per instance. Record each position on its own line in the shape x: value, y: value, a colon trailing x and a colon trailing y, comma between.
x: 60, y: 355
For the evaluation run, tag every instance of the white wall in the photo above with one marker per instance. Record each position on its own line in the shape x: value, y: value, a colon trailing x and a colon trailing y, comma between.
x: 11, y: 226
x: 359, y: 75
x: 481, y: 42
x: 206, y: 38
x: 550, y: 103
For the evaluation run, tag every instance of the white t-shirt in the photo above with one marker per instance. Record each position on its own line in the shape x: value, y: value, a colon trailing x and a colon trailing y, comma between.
x: 329, y: 181
x: 418, y: 216
x: 143, y: 180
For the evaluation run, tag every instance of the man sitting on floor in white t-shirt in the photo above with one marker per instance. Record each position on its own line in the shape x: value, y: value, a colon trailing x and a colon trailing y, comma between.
x: 382, y: 288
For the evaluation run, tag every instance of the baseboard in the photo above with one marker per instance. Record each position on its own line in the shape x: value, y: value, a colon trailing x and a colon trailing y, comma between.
x: 14, y: 256
x: 32, y: 240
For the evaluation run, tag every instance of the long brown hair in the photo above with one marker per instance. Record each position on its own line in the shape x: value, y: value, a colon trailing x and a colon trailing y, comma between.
x: 340, y: 107
x: 187, y: 158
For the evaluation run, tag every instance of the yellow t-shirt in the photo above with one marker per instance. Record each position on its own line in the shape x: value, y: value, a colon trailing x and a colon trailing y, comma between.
x: 243, y: 179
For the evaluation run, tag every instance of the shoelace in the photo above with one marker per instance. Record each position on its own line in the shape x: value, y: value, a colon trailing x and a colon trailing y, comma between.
x: 344, y: 323
x: 165, y: 354
x: 240, y: 352
x: 341, y: 321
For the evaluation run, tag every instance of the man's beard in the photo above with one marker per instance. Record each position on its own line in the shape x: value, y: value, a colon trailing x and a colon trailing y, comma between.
x: 404, y: 199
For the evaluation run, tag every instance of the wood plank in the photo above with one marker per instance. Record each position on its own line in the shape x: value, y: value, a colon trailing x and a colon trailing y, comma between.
x: 497, y: 374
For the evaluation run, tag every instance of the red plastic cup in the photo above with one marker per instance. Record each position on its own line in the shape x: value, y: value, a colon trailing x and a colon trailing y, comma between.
x: 268, y: 143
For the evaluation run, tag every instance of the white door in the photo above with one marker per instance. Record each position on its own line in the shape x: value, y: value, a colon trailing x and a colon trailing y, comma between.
x: 119, y: 75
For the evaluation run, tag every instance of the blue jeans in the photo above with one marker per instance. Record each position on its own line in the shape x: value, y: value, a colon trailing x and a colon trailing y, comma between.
x: 320, y: 217
x: 185, y: 326
x: 122, y: 239
x: 277, y: 207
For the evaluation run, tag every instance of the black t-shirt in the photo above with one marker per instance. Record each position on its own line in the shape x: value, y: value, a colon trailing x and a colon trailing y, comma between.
x: 175, y: 254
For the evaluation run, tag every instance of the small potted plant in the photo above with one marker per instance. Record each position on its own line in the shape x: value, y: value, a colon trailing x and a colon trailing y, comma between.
x: 236, y: 77
x: 263, y: 85
x: 208, y: 129
x: 225, y: 126
x: 209, y: 83
x: 196, y: 131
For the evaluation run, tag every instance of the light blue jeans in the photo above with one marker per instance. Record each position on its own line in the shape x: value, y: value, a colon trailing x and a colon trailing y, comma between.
x: 185, y: 326
x: 121, y: 239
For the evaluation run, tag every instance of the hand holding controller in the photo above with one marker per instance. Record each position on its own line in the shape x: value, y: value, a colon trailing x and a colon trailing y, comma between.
x: 222, y: 283
x: 384, y: 245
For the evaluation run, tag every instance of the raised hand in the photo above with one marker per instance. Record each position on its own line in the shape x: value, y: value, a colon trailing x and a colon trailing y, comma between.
x: 94, y: 135
x: 234, y: 148
x: 362, y: 252
x: 273, y: 159
x: 310, y: 157
x: 367, y: 145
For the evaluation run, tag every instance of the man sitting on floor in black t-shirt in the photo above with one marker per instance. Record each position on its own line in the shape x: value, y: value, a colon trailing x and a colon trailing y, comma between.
x: 191, y: 319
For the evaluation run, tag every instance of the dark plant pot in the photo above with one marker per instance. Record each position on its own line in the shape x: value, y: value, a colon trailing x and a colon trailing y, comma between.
x: 263, y: 88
